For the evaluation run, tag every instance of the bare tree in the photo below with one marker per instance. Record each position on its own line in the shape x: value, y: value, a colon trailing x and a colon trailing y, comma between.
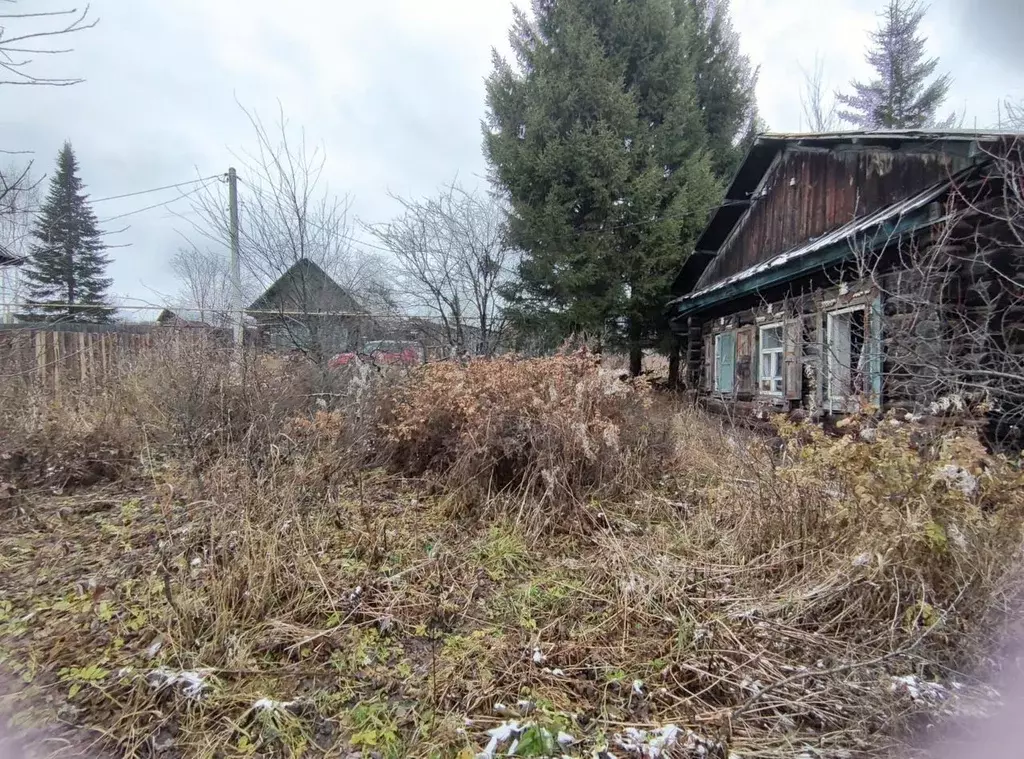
x: 452, y: 258
x: 952, y: 331
x: 27, y: 34
x: 292, y: 226
x: 19, y: 198
x: 818, y: 103
x: 204, y: 279
x: 1015, y: 114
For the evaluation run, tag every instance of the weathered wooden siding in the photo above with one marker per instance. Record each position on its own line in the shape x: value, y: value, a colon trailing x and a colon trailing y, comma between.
x: 810, y: 192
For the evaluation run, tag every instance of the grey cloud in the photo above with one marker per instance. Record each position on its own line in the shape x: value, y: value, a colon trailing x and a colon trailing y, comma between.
x: 993, y: 29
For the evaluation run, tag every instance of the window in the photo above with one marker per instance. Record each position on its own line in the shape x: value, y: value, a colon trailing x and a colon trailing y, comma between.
x: 770, y: 366
x: 725, y: 361
x: 845, y: 355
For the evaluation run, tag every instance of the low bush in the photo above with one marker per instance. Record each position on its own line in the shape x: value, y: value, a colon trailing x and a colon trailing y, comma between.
x: 554, y: 431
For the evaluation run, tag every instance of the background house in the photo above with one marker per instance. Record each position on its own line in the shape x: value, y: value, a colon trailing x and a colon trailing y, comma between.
x: 307, y: 311
x: 862, y: 267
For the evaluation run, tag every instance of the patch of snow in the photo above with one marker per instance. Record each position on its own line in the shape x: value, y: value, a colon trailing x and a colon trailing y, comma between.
x: 654, y: 744
x: 193, y: 682
x: 564, y: 739
x: 154, y: 647
x: 638, y: 687
x: 538, y: 656
x: 269, y: 705
x: 953, y: 476
x: 862, y: 560
x: 196, y: 562
x: 919, y: 691
x: 500, y: 709
x: 954, y: 402
x: 501, y: 734
x: 524, y: 707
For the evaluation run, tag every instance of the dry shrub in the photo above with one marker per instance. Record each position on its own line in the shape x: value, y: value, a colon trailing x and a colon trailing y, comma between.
x: 890, y: 528
x: 553, y: 430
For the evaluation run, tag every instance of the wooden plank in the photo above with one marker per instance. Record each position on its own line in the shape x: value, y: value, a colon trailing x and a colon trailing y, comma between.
x: 745, y: 360
x: 81, y: 358
x: 40, y: 344
x: 58, y: 357
x: 103, y: 353
x: 792, y: 354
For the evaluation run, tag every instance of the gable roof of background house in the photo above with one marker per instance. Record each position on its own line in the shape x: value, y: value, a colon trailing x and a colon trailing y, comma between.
x: 179, y: 318
x: 762, y: 155
x: 321, y: 288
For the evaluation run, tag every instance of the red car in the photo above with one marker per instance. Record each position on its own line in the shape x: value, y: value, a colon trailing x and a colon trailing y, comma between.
x: 389, y: 352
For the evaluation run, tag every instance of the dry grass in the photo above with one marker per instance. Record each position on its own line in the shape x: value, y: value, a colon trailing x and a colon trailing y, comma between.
x: 761, y: 598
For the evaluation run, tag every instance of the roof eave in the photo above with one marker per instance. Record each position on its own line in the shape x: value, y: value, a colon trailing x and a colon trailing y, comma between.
x: 834, y: 254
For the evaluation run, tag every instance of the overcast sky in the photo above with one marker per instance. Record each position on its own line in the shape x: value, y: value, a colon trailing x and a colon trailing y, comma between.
x: 392, y: 89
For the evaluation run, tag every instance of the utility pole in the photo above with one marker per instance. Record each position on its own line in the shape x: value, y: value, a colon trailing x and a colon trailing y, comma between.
x: 236, y: 264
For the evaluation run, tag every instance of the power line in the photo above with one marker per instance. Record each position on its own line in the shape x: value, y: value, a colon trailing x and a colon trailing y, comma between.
x: 155, y: 205
x: 154, y: 189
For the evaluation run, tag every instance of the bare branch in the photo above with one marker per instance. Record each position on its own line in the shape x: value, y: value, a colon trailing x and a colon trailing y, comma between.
x: 13, y: 51
x: 452, y: 259
x: 819, y: 105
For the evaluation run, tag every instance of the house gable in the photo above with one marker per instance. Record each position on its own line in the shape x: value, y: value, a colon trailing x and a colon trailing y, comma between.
x: 809, y: 192
x: 304, y: 288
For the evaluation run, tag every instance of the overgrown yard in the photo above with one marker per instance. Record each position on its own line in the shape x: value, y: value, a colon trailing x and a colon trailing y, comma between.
x: 526, y: 556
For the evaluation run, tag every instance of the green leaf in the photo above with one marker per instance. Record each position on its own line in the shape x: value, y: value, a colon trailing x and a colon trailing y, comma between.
x: 365, y: 738
x: 536, y: 741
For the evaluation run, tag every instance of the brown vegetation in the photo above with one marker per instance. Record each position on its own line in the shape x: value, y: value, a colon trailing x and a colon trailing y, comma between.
x: 304, y: 563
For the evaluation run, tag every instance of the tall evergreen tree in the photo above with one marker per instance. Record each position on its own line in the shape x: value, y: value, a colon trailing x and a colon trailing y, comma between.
x: 726, y: 84
x: 597, y: 138
x: 900, y: 96
x: 64, y: 275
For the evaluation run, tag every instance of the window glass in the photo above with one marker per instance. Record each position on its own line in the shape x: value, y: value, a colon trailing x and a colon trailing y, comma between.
x: 770, y: 377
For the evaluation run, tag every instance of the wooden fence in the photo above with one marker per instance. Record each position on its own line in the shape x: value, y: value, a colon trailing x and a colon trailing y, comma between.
x: 54, y: 359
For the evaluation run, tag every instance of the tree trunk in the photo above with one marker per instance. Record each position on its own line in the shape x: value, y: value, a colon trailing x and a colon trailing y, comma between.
x: 673, y: 365
x: 636, y: 352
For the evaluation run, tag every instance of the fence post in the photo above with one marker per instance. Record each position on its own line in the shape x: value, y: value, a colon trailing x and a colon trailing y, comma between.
x: 40, y: 340
x: 55, y: 339
x: 81, y: 358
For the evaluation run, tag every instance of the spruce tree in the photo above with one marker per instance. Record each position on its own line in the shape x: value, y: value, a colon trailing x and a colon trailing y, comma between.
x: 900, y: 97
x: 597, y: 139
x: 64, y: 275
x: 726, y: 84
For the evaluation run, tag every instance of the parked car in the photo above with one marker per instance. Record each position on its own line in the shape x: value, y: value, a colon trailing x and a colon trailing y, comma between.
x: 384, y: 352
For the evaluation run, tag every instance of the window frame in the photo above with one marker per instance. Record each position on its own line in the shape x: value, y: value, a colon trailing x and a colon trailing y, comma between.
x: 843, y: 403
x: 779, y: 360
